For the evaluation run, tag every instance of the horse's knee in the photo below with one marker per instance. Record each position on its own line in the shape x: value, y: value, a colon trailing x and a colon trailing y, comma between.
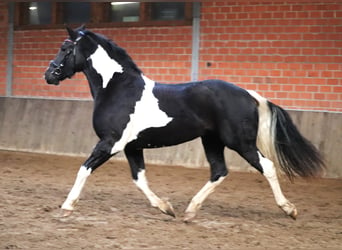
x: 100, y: 154
x: 103, y: 147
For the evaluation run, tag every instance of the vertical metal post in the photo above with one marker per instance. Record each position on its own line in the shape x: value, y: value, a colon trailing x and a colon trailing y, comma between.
x: 195, y: 40
x: 9, y: 69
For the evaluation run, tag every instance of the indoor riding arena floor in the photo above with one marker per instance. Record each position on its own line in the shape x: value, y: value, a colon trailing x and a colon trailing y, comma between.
x: 113, y: 214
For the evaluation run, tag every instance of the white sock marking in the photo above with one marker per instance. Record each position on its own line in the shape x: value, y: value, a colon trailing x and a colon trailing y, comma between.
x: 146, y: 115
x: 271, y: 176
x: 105, y: 65
x: 142, y: 184
x: 76, y: 190
x: 200, y: 197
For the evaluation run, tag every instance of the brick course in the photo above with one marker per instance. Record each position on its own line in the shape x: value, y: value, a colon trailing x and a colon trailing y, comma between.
x: 290, y: 52
x: 164, y: 54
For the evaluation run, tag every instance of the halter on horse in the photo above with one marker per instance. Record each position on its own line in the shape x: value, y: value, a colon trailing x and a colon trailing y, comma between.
x: 132, y: 112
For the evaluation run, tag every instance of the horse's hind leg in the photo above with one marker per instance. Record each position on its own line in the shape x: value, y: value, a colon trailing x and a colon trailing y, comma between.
x: 100, y: 154
x: 214, y: 150
x: 266, y: 167
x: 136, y: 161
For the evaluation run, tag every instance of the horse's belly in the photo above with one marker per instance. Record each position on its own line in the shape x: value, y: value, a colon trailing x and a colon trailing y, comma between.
x: 166, y: 136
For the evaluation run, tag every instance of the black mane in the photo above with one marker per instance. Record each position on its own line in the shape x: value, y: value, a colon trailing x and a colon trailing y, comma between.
x: 114, y: 51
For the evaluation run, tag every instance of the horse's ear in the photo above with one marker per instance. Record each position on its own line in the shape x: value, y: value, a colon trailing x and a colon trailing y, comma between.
x: 71, y: 32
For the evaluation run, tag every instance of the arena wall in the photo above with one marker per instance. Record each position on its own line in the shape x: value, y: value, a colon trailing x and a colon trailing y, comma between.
x: 64, y: 127
x: 288, y: 51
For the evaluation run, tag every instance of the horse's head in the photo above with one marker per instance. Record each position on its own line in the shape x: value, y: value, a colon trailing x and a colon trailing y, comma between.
x: 87, y: 50
x: 70, y: 59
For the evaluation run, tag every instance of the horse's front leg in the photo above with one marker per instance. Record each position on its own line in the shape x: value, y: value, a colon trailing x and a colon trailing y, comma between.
x: 136, y: 161
x: 100, y: 154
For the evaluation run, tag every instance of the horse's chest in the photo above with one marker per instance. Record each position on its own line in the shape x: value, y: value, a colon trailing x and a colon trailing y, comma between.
x: 147, y: 114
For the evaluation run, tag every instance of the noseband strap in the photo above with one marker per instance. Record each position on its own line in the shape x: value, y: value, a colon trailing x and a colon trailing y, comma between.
x: 58, y: 66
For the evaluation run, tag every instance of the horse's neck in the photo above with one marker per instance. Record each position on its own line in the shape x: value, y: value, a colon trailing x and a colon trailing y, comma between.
x: 121, y: 80
x: 94, y: 81
x: 102, y: 70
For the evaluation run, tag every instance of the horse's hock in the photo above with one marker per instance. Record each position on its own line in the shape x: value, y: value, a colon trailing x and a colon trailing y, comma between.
x: 65, y: 127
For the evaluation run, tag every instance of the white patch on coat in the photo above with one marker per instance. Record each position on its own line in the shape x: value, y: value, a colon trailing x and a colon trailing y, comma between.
x: 265, y: 140
x: 203, y: 194
x: 142, y: 184
x: 76, y: 190
x: 105, y: 65
x: 146, y: 115
x: 272, y: 178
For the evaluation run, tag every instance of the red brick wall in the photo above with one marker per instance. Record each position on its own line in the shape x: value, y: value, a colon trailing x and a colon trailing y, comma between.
x: 164, y: 54
x: 288, y: 52
x: 3, y: 47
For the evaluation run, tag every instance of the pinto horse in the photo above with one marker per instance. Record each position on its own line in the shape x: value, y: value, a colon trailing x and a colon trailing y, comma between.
x: 133, y: 112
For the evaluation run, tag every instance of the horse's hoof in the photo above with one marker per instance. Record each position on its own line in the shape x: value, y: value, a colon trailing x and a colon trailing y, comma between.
x: 294, y: 214
x: 290, y: 210
x: 189, y: 217
x: 66, y: 213
x: 167, y: 208
x: 171, y: 213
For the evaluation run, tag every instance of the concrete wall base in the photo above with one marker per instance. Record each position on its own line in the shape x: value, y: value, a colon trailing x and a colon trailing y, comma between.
x: 65, y: 127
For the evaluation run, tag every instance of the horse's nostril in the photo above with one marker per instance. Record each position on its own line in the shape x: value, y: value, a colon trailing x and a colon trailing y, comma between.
x: 57, y: 72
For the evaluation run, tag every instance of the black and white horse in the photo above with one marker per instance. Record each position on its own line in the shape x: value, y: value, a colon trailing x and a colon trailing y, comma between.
x: 132, y: 112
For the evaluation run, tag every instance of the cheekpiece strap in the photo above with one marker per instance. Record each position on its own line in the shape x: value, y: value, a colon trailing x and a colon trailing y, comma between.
x: 81, y: 33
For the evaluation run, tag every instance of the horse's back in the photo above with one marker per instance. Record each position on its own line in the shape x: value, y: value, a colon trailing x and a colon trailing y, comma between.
x: 206, y: 105
x: 208, y: 98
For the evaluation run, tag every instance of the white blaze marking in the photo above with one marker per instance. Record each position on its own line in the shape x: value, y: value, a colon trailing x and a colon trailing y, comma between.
x: 76, y: 190
x: 146, y: 115
x: 104, y: 65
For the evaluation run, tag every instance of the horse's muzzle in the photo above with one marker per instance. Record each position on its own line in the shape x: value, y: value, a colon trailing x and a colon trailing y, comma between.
x: 51, y: 78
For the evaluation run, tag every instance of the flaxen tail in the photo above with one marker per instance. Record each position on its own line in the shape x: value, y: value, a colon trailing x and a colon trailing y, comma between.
x: 280, y: 141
